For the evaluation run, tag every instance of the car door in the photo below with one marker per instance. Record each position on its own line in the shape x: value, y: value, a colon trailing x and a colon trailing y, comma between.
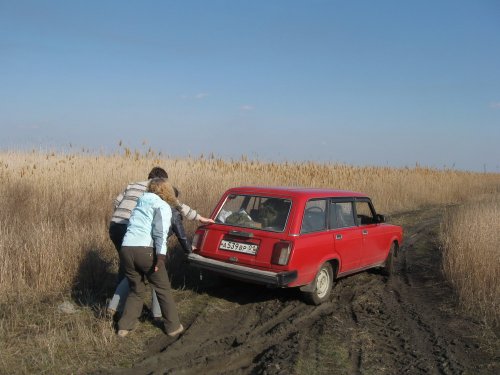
x: 346, y: 235
x: 373, y: 245
x: 315, y: 243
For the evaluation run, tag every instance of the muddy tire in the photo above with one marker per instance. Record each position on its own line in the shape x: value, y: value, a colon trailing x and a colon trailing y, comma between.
x: 390, y: 260
x: 323, y: 283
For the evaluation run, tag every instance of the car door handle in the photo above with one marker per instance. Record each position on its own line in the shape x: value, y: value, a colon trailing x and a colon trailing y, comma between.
x: 338, y: 236
x: 365, y: 232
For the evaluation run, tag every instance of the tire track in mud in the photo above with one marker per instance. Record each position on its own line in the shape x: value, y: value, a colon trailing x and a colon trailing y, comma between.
x: 405, y: 324
x: 237, y: 341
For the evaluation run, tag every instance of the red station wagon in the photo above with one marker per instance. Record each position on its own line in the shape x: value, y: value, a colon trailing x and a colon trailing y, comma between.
x: 295, y: 237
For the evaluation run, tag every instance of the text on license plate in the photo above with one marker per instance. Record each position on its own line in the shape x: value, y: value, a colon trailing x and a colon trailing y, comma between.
x: 246, y: 248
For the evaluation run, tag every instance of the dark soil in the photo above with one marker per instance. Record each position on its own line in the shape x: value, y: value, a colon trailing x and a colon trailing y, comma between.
x: 409, y: 323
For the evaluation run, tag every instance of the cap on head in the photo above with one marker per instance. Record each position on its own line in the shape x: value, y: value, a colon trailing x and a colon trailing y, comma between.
x: 157, y: 172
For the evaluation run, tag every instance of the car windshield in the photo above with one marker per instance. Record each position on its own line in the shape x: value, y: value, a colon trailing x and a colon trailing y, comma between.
x: 253, y: 211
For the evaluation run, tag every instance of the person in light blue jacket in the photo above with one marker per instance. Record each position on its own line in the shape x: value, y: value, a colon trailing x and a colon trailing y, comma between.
x: 143, y: 254
x: 176, y: 227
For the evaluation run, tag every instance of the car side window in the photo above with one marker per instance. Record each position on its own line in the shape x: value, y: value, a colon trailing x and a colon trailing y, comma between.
x: 341, y: 215
x: 314, y: 219
x: 364, y: 213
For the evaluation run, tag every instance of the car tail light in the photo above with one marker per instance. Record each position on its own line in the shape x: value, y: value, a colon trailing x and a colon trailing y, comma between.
x: 281, y: 253
x: 198, y: 238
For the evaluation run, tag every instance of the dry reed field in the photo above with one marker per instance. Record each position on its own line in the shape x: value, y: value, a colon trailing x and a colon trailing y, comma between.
x: 471, y: 238
x: 54, y: 244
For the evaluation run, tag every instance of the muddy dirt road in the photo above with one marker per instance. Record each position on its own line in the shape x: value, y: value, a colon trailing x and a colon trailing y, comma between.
x: 406, y: 324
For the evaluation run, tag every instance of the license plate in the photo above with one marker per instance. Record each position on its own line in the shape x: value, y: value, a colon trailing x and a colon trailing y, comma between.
x: 240, y: 247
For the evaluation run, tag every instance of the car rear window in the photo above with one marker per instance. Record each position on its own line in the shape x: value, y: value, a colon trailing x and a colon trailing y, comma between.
x: 255, y: 211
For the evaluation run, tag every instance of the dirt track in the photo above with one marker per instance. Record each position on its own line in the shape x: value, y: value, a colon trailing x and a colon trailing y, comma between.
x: 408, y: 324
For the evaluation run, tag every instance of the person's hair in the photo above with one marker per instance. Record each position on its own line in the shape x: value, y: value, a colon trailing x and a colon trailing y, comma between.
x: 177, y: 192
x: 157, y: 172
x: 162, y: 188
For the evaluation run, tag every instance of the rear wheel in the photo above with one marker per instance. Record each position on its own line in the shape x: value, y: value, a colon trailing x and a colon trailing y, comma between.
x: 389, y: 262
x: 322, y: 285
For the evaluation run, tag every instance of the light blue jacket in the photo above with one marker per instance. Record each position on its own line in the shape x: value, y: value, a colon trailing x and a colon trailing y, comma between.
x: 149, y: 223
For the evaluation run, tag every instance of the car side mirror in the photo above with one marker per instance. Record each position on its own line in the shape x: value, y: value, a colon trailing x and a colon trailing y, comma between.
x: 380, y: 218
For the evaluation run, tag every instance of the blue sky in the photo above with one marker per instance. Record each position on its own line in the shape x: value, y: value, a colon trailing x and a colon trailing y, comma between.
x: 360, y: 82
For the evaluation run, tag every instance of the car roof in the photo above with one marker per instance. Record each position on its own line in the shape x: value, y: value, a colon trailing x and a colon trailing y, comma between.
x: 299, y: 192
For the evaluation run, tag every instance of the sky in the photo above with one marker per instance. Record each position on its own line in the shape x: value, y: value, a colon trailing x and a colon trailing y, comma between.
x: 389, y: 83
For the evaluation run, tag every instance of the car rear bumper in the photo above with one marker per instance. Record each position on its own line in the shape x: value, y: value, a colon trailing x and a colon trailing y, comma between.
x: 277, y: 279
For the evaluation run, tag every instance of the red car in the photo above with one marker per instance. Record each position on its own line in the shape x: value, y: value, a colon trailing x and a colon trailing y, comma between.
x: 295, y: 237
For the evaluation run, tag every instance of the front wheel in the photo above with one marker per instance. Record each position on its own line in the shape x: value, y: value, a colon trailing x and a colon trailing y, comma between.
x: 322, y: 285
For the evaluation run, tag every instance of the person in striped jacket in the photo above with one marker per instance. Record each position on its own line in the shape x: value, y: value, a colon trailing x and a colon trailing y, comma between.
x: 125, y: 202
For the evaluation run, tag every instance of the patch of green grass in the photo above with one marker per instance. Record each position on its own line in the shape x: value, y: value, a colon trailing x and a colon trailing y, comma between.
x: 332, y: 356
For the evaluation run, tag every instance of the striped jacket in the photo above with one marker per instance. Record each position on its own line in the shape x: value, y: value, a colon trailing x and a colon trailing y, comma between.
x: 125, y: 202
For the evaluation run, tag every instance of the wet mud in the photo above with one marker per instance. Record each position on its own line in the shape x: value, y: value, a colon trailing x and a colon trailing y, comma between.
x: 408, y: 323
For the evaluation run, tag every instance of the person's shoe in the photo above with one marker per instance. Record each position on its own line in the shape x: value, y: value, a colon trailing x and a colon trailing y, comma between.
x: 176, y: 332
x: 123, y: 332
x: 110, y: 313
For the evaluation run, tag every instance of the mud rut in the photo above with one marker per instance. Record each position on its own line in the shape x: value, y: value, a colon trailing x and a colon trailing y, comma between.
x: 405, y: 324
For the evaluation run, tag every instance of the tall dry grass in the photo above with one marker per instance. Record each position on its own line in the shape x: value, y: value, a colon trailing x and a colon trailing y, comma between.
x: 471, y: 239
x: 54, y: 246
x: 56, y: 207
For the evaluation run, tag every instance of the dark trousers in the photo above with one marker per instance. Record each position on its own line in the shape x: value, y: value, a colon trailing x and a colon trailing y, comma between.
x: 116, y: 234
x: 138, y: 263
